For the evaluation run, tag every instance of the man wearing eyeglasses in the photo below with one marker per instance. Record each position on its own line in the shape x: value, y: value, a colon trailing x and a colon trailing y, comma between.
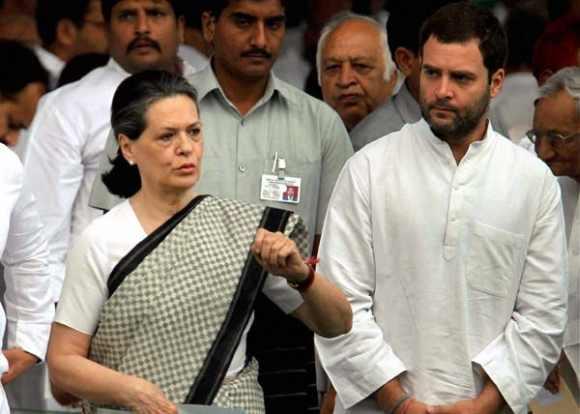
x: 556, y: 138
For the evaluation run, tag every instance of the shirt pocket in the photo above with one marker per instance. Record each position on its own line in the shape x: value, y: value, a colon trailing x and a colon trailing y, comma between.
x: 494, y: 260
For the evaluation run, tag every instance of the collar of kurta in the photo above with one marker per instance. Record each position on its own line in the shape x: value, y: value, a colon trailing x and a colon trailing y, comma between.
x: 186, y: 69
x: 208, y: 83
x: 423, y: 130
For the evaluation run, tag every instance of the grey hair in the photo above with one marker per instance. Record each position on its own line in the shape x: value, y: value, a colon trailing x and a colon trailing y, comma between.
x: 567, y: 79
x: 335, y: 23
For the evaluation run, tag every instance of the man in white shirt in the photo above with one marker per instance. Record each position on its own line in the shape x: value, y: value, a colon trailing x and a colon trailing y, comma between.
x: 28, y: 307
x: 71, y: 28
x: 355, y: 68
x: 455, y: 270
x: 69, y: 132
x: 556, y: 137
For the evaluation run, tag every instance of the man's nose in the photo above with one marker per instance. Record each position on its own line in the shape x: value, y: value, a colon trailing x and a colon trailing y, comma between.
x: 346, y: 75
x: 259, y: 36
x: 142, y: 23
x: 443, y: 88
x: 544, y: 149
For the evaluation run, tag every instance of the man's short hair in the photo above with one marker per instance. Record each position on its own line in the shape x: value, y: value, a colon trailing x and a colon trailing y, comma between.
x: 405, y: 21
x: 462, y: 22
x: 523, y: 28
x: 107, y: 7
x: 558, y: 46
x: 49, y: 13
x: 23, y: 68
x: 216, y: 7
x: 567, y: 79
x: 335, y: 23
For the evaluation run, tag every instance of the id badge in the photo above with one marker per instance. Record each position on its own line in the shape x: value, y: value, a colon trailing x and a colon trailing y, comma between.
x: 282, y: 189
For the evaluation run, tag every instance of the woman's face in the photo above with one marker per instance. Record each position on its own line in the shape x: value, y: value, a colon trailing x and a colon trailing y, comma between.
x: 168, y: 153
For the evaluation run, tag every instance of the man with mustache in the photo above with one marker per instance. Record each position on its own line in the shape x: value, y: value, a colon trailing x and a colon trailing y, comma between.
x: 263, y: 136
x: 456, y: 271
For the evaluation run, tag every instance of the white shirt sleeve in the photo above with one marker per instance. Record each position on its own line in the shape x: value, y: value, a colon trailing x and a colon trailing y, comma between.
x: 359, y: 362
x: 521, y: 357
x: 28, y: 299
x: 54, y: 172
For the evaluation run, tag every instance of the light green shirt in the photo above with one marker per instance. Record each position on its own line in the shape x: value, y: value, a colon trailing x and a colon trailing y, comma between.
x: 304, y: 131
x: 238, y: 149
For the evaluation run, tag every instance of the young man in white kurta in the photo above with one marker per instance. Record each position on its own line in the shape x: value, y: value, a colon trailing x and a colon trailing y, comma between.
x: 29, y: 309
x: 450, y: 248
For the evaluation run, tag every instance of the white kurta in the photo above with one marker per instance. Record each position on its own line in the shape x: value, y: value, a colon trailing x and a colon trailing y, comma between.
x: 571, y: 201
x: 66, y: 140
x: 450, y: 269
x: 23, y: 251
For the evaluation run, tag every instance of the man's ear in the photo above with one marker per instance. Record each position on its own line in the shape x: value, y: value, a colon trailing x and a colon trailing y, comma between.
x: 208, y: 27
x: 126, y: 148
x: 66, y: 33
x: 405, y: 60
x: 496, y: 82
x: 180, y: 29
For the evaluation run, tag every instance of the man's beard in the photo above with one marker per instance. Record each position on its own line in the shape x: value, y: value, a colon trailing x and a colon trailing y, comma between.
x: 462, y: 124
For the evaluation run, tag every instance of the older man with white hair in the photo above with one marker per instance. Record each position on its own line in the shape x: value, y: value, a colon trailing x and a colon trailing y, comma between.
x: 556, y: 138
x: 355, y: 68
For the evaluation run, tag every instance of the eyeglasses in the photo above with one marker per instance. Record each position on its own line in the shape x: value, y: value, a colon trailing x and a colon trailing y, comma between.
x: 553, y: 137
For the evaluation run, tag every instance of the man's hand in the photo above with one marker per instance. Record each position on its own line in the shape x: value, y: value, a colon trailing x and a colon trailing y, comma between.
x: 552, y: 383
x: 461, y: 407
x: 328, y: 401
x: 18, y: 362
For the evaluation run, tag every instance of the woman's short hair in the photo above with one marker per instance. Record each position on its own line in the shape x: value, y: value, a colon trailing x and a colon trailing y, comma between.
x: 133, y: 98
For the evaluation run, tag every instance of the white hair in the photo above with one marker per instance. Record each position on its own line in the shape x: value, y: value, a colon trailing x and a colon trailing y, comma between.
x: 567, y: 79
x: 335, y: 23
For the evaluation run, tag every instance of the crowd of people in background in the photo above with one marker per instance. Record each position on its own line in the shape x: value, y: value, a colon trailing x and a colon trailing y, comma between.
x: 425, y: 154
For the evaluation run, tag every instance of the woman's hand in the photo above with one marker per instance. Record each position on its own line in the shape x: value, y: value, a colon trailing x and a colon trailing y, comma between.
x: 144, y: 397
x: 279, y: 255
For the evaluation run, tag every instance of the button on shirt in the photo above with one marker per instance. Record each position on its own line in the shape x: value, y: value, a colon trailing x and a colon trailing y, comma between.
x: 238, y: 149
x: 28, y: 309
x: 450, y: 269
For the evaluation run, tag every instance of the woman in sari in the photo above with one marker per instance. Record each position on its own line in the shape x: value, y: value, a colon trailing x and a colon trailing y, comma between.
x: 159, y: 292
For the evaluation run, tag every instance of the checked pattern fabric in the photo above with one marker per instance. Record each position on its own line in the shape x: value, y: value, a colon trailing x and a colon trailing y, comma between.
x: 162, y: 320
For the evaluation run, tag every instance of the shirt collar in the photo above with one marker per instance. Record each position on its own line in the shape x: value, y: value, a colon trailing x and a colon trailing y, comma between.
x: 480, y: 145
x: 186, y: 68
x: 209, y: 83
x: 407, y: 105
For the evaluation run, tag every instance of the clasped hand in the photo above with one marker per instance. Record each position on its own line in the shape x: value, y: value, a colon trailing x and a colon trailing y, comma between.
x: 279, y: 255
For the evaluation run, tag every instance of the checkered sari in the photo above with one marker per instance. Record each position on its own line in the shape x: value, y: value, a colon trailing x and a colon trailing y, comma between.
x: 180, y: 300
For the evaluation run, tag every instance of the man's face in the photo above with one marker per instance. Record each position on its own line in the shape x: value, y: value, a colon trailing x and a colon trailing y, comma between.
x: 352, y: 71
x: 17, y: 112
x: 144, y: 34
x: 556, y: 115
x: 247, y: 37
x: 455, y: 89
x: 92, y: 36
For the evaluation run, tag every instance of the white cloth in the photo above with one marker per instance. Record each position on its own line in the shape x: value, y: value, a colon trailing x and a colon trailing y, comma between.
x: 52, y: 63
x: 291, y: 65
x: 450, y: 269
x: 513, y: 109
x: 194, y: 57
x: 104, y: 243
x: 570, y: 199
x: 23, y: 251
x: 67, y: 138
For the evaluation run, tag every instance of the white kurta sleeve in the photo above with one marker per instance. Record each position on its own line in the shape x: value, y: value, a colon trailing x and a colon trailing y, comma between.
x: 359, y: 362
x: 28, y: 300
x: 521, y: 357
x: 54, y: 172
